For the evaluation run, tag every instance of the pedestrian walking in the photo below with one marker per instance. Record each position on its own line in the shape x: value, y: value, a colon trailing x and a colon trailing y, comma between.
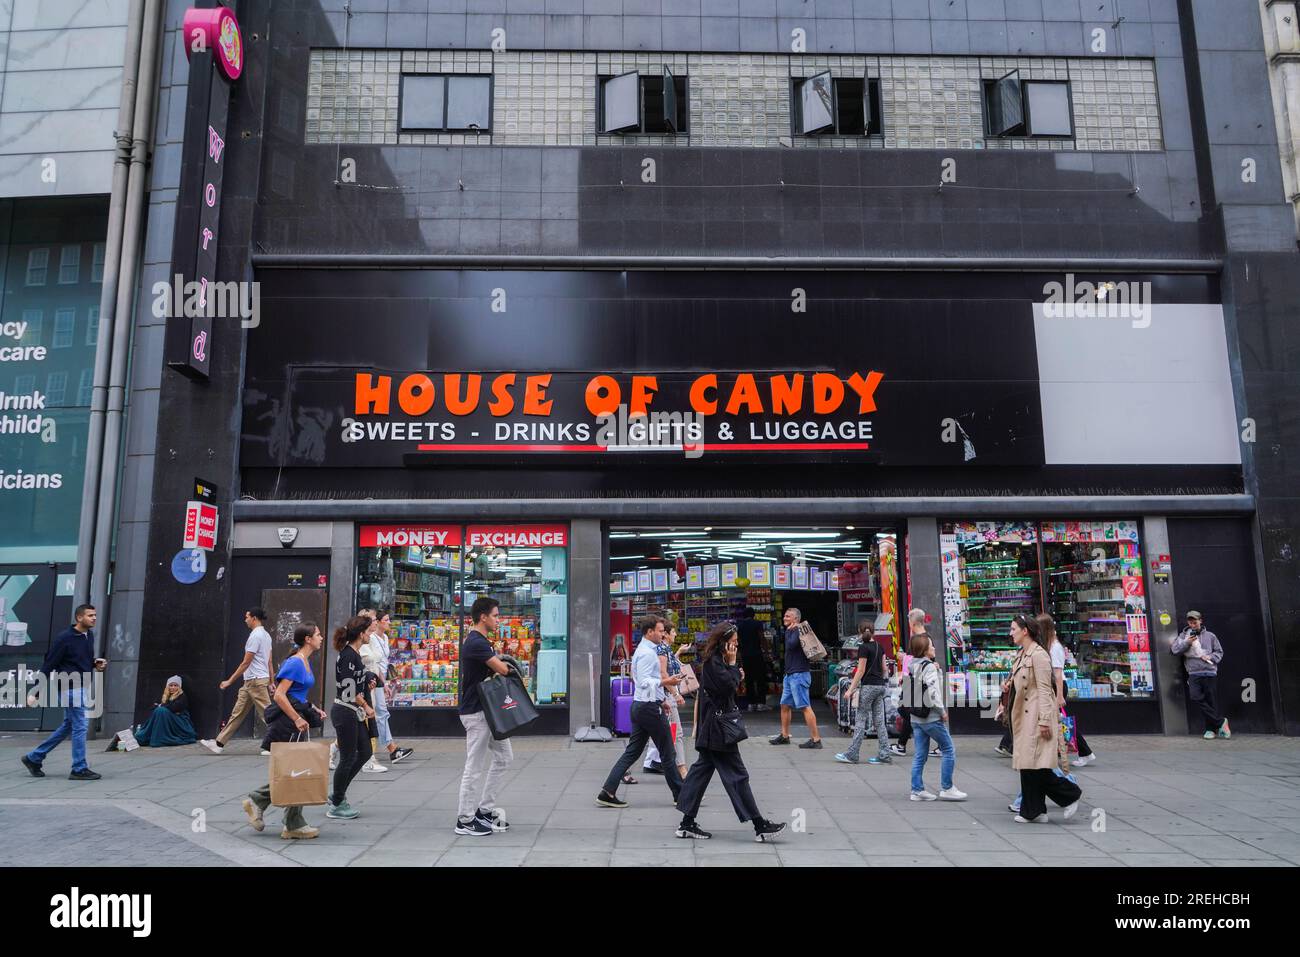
x: 795, y: 686
x: 669, y: 665
x: 915, y: 628
x: 69, y: 668
x: 1201, y: 652
x: 291, y: 718
x: 486, y: 759
x: 349, y: 713
x: 869, y: 683
x: 379, y: 659
x: 254, y: 694
x: 650, y: 712
x: 753, y: 664
x: 1035, y: 727
x: 923, y: 694
x: 719, y: 680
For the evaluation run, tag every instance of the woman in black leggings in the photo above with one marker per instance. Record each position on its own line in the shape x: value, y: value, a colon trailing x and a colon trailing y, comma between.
x: 349, y: 713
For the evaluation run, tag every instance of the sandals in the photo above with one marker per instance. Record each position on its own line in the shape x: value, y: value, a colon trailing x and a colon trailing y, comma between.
x: 628, y: 779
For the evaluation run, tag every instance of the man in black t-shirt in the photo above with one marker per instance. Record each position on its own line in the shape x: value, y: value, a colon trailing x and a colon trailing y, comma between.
x: 478, y: 814
x: 750, y: 635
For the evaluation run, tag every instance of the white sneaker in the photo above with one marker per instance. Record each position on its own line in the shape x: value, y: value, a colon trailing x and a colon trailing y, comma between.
x: 1001, y: 752
x: 952, y: 794
x: 922, y: 796
x: 266, y: 753
x: 334, y: 756
x: 374, y: 767
x: 1041, y: 819
x: 1083, y: 762
x: 212, y: 746
x: 1071, y: 810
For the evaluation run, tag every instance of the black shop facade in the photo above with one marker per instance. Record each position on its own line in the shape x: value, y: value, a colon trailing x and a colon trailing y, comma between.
x: 589, y: 446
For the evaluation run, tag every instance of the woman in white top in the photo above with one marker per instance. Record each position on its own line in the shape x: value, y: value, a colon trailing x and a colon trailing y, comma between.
x: 378, y: 664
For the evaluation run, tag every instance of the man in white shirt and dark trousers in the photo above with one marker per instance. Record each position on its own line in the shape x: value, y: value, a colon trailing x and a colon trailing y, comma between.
x: 649, y: 714
x: 254, y: 694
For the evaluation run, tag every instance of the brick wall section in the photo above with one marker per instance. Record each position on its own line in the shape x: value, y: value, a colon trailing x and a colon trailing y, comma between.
x: 742, y: 100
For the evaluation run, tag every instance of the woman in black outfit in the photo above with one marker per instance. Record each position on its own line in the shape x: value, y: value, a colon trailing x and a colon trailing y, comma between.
x: 719, y: 679
x: 350, y: 712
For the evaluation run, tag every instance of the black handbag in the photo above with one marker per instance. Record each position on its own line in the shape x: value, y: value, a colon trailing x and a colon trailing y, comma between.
x: 729, y: 726
x: 506, y: 705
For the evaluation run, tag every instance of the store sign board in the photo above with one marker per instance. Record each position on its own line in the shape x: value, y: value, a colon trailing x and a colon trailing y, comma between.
x: 200, y: 526
x: 517, y: 536
x: 401, y: 536
x: 857, y: 594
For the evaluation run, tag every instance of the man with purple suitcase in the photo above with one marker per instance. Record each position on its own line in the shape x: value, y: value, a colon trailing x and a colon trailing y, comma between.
x: 649, y: 714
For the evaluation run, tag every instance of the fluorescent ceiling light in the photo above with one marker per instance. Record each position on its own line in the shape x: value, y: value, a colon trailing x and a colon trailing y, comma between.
x: 789, y: 534
x: 667, y: 534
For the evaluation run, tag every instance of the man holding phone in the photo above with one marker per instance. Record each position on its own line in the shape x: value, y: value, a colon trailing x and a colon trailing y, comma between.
x: 72, y: 653
x: 1201, y: 653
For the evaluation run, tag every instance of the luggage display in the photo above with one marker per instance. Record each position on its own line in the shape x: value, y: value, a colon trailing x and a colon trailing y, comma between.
x: 621, y: 691
x: 846, y: 714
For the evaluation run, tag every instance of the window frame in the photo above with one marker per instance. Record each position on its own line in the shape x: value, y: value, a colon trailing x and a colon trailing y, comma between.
x: 681, y: 102
x: 92, y: 326
x: 61, y: 377
x: 64, y: 338
x: 446, y: 92
x: 45, y: 269
x: 64, y: 264
x: 1026, y: 125
x: 872, y: 107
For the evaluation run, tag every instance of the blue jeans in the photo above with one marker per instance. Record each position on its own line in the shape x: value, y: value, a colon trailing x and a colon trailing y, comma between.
x: 74, y: 723
x: 937, y: 732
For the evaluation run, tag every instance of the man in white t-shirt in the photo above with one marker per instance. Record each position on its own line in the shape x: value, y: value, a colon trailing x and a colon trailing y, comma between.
x: 254, y: 693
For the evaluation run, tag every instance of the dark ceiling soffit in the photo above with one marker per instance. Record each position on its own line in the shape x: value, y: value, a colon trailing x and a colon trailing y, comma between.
x: 743, y: 509
x: 818, y: 264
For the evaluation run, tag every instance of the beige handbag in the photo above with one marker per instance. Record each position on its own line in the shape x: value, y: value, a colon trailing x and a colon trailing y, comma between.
x: 811, y: 644
x: 299, y: 773
x: 689, y: 684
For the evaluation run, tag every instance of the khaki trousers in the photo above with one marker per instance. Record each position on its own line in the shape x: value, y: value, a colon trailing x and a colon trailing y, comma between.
x: 254, y: 691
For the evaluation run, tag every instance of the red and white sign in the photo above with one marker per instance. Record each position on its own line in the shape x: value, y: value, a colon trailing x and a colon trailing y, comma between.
x: 517, y: 536
x: 200, y: 526
x: 435, y: 536
x: 857, y: 594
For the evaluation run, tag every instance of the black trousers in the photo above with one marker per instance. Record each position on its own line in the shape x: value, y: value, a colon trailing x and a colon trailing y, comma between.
x: 735, y: 779
x: 755, y: 680
x: 649, y: 723
x: 1039, y: 784
x: 354, y: 748
x: 1204, y: 690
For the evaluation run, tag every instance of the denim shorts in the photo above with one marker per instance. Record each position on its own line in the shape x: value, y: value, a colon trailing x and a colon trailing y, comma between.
x: 794, y: 689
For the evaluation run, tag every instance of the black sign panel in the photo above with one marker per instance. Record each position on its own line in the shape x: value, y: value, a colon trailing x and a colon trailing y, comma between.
x: 374, y: 369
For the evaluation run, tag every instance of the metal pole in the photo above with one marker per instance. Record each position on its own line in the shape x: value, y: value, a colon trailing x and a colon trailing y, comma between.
x: 107, y: 303
x: 131, y: 247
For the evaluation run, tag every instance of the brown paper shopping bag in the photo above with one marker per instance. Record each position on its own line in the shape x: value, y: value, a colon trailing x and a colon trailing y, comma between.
x: 299, y: 773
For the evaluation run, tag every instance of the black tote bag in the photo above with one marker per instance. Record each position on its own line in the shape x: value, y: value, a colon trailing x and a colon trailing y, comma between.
x: 506, y: 705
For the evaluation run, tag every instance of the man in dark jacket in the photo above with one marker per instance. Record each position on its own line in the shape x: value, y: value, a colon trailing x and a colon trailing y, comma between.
x: 796, y: 685
x: 69, y: 666
x: 1201, y: 653
x: 750, y: 632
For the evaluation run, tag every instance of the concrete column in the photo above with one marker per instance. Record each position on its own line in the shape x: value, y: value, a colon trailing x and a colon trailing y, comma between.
x: 927, y: 582
x: 343, y: 596
x: 1160, y: 600
x: 587, y: 619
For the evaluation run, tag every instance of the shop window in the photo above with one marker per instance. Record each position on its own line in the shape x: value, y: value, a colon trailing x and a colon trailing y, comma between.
x: 69, y: 265
x: 654, y: 103
x: 65, y: 322
x: 700, y: 576
x: 1016, y: 107
x: 38, y: 266
x: 429, y: 577
x: 846, y: 106
x: 446, y: 103
x: 1086, y: 575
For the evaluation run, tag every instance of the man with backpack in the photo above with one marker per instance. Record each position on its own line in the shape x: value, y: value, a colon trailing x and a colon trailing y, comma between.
x: 923, y: 703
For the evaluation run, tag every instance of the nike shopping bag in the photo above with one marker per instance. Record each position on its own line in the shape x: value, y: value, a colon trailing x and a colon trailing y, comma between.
x: 299, y: 773
x: 506, y: 705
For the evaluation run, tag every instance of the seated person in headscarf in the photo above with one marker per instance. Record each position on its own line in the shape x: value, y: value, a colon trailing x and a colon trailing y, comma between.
x: 170, y: 722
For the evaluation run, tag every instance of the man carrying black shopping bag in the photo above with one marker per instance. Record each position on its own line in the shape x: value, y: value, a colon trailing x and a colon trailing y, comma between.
x: 486, y: 759
x: 649, y: 714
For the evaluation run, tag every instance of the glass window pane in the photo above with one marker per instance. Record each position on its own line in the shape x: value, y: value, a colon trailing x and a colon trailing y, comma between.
x: 815, y: 102
x: 670, y: 102
x: 422, y: 102
x: 468, y: 103
x: 622, y: 103
x: 1049, y: 109
x: 1006, y: 108
x: 69, y: 265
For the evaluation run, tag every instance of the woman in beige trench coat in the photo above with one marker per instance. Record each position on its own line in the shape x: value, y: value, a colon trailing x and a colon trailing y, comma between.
x: 1034, y: 728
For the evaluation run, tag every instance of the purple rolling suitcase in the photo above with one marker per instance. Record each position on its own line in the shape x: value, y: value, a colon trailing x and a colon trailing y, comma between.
x: 621, y: 691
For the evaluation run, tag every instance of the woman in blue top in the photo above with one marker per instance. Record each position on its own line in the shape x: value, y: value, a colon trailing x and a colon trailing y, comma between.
x: 289, y: 716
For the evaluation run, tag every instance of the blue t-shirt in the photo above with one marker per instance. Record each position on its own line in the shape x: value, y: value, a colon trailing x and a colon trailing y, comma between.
x: 296, y: 670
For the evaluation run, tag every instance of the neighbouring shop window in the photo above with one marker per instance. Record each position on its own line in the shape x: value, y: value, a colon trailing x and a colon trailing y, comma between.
x: 446, y: 103
x: 428, y: 577
x: 1086, y: 575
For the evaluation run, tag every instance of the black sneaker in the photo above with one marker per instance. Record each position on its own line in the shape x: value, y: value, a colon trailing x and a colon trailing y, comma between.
x: 493, y: 819
x: 691, y: 830
x: 472, y: 828
x: 605, y: 799
x: 655, y: 767
x: 400, y: 754
x: 778, y: 739
x: 85, y: 774
x: 811, y: 745
x: 898, y: 749
x: 33, y: 767
x: 765, y: 830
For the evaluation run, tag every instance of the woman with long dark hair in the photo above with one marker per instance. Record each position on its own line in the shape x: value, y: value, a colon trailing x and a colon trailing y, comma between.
x: 350, y: 712
x: 1035, y: 727
x: 718, y: 746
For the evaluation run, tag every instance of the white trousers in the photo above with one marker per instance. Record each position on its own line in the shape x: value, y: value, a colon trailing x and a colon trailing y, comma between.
x: 486, y: 761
